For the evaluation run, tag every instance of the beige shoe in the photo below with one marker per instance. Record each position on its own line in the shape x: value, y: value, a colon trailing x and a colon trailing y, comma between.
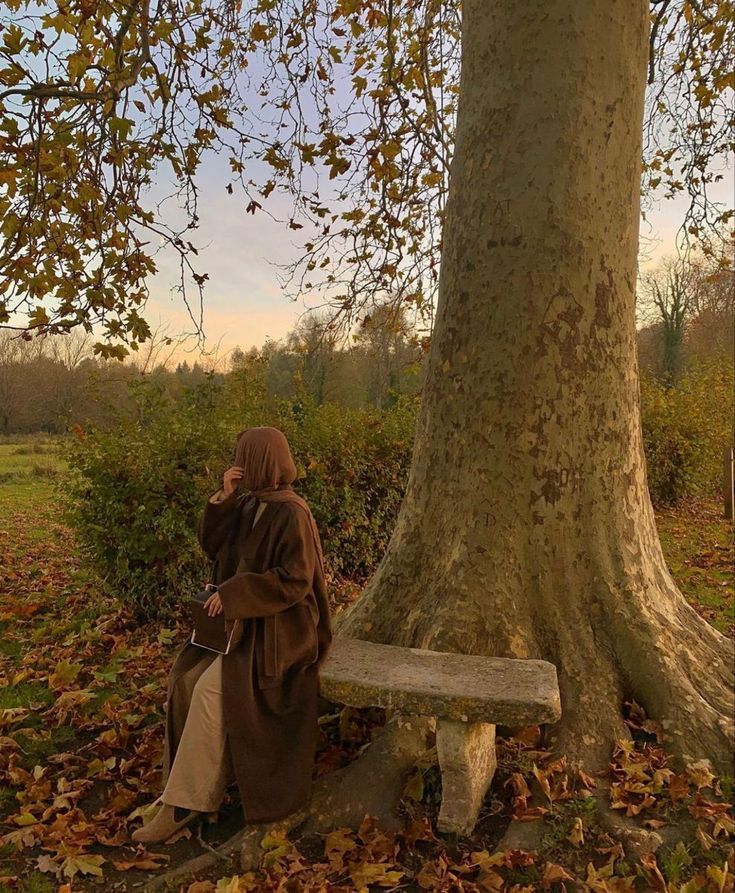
x: 162, y: 825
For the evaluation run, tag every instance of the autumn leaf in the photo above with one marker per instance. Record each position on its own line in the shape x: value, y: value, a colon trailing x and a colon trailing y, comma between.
x: 142, y: 862
x: 653, y: 873
x: 554, y: 874
x: 73, y: 698
x: 64, y: 674
x: 378, y: 873
x: 414, y: 787
x: 258, y: 32
x: 277, y: 846
x: 336, y: 844
x: 576, y: 834
x: 542, y: 779
x: 75, y: 864
x: 46, y: 864
x: 700, y: 774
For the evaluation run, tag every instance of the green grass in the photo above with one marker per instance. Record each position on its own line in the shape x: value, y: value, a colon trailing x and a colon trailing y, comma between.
x: 697, y: 542
x: 42, y: 743
x: 24, y: 695
x: 29, y: 468
x: 9, y: 647
x: 53, y: 741
x: 30, y: 456
x: 30, y: 472
x: 32, y: 883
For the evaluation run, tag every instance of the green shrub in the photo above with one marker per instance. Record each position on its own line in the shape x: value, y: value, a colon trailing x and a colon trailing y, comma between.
x: 684, y: 431
x: 137, y: 489
x: 354, y: 465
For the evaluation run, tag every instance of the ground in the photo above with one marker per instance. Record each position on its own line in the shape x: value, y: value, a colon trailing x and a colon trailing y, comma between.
x: 81, y: 694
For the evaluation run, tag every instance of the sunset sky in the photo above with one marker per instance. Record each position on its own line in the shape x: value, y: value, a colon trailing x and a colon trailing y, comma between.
x: 244, y: 303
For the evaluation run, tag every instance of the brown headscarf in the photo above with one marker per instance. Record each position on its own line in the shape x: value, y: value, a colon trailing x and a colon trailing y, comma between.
x: 269, y: 471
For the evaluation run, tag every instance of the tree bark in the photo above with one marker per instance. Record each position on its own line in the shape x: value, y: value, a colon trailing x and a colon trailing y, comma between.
x: 527, y: 529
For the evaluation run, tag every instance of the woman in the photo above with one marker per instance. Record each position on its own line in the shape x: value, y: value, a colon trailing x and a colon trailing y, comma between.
x: 250, y: 716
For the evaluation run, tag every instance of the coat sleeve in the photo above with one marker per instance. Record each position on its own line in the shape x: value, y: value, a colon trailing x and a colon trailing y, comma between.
x: 249, y: 594
x: 216, y: 521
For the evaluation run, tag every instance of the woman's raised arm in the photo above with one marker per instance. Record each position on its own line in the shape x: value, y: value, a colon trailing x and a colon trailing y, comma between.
x: 216, y: 521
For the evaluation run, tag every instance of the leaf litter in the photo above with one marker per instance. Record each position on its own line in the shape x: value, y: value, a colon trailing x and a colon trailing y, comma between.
x: 81, y: 737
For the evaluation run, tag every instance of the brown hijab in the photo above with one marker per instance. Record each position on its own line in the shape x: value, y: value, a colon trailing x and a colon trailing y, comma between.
x: 269, y: 471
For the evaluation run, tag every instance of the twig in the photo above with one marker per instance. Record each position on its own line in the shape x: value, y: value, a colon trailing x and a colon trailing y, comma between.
x: 208, y: 846
x: 199, y: 863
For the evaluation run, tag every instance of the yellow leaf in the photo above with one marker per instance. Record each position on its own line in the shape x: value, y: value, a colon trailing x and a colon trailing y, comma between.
x: 379, y: 873
x: 414, y: 787
x: 82, y: 864
x: 433, y: 178
x: 576, y: 835
x: 65, y: 672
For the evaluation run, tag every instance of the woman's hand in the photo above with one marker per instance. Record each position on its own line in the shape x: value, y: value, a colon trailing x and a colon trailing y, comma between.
x: 213, y: 605
x: 232, y: 478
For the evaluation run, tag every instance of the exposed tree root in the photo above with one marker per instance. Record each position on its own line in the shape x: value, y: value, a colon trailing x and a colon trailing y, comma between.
x: 244, y: 844
x: 372, y: 784
x: 251, y: 838
x: 635, y: 840
x: 522, y: 836
x: 223, y: 853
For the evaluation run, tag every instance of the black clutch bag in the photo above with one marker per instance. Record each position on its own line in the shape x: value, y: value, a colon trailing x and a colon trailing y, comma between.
x: 212, y: 633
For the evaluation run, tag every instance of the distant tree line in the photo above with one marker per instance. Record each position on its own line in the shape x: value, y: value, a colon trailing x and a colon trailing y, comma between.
x: 48, y: 384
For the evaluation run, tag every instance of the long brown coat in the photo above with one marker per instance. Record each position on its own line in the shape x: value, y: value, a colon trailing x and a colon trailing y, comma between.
x: 269, y: 577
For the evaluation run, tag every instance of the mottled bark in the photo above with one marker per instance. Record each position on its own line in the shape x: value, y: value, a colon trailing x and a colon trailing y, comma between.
x: 527, y: 528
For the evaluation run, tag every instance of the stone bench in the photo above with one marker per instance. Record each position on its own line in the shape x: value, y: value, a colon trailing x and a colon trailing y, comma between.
x: 468, y: 694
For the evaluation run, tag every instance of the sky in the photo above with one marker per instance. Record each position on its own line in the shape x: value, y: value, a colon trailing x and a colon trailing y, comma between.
x: 244, y: 302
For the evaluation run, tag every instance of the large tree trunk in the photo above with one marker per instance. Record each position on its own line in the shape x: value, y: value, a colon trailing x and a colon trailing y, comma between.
x: 527, y: 528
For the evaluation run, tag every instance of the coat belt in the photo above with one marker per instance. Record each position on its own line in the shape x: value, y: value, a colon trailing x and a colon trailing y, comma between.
x: 271, y: 646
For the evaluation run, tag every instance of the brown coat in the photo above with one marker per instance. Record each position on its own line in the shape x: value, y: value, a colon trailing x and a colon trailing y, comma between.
x: 269, y: 577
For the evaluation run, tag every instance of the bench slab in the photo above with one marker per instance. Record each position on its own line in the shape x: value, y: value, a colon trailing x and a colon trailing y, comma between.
x: 463, y: 687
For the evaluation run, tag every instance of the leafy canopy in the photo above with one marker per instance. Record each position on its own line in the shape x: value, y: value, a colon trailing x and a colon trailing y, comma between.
x: 347, y: 107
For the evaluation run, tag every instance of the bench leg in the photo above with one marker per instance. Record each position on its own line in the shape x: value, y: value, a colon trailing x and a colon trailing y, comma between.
x: 467, y: 761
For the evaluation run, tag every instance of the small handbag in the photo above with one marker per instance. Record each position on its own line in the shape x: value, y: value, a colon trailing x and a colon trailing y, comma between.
x: 213, y: 633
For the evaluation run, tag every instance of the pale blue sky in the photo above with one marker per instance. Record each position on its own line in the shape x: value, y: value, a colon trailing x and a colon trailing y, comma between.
x: 244, y: 303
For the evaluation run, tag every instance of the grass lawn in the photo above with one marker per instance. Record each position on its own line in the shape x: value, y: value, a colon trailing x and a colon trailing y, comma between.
x: 81, y: 692
x: 699, y: 547
x: 27, y: 466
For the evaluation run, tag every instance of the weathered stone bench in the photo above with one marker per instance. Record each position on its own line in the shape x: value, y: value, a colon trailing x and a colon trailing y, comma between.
x: 468, y: 694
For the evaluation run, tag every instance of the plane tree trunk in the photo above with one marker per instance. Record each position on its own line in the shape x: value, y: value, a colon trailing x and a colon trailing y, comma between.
x: 527, y: 528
